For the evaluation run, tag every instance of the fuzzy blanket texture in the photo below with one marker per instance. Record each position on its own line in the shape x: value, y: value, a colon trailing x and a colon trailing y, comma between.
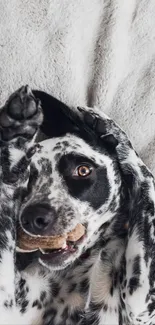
x: 86, y: 52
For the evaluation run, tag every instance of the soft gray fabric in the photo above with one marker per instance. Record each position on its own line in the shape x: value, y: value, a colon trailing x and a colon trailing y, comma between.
x: 86, y: 52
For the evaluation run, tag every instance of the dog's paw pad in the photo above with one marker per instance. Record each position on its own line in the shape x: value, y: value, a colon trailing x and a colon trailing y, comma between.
x: 22, y: 104
x: 21, y: 115
x: 90, y: 120
x: 89, y: 117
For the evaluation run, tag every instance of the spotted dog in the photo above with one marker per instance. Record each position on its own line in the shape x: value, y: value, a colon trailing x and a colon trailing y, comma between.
x: 90, y: 175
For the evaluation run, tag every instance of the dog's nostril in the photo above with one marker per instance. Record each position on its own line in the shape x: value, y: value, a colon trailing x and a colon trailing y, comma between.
x: 41, y: 222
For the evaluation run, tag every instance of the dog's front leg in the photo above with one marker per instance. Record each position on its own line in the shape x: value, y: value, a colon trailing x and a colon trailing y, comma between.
x: 20, y: 118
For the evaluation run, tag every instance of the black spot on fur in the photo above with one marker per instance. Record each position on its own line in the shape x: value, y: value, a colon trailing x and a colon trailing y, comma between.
x: 49, y: 316
x: 113, y: 205
x: 55, y: 289
x: 145, y: 171
x: 57, y: 147
x: 65, y: 313
x: 91, y: 318
x: 115, y: 277
x: 65, y: 144
x: 105, y: 307
x: 84, y: 286
x: 136, y: 266
x: 22, y: 283
x: 96, y: 307
x: 125, y: 283
x: 151, y: 307
x: 147, y: 238
x: 37, y: 304
x: 99, y: 212
x: 111, y: 290
x: 120, y: 317
x: 133, y: 284
x: 23, y: 306
x: 72, y: 287
x: 27, y: 289
x: 8, y: 303
x: 43, y: 296
x: 76, y: 316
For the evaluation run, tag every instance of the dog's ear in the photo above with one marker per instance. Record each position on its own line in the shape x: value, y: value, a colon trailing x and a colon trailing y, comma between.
x: 57, y: 121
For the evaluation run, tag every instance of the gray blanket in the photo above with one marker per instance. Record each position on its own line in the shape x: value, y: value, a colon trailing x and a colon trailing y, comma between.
x: 86, y: 52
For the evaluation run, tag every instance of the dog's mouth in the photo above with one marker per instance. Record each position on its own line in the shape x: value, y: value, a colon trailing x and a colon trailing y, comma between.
x: 53, y: 250
x: 51, y: 255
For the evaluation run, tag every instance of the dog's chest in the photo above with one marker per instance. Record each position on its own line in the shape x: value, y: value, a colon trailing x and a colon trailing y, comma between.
x: 93, y: 278
x: 87, y: 281
x: 69, y: 292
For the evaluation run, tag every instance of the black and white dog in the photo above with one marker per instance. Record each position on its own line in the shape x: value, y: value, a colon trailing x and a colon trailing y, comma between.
x: 86, y: 173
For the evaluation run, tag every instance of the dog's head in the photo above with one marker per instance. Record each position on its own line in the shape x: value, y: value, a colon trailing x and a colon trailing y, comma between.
x: 73, y: 179
x: 70, y: 183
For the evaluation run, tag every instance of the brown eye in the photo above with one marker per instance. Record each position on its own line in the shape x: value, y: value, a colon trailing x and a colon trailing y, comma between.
x: 84, y: 171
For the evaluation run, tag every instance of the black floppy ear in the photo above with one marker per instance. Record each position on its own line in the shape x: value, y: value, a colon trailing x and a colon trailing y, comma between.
x: 57, y: 121
x: 60, y: 119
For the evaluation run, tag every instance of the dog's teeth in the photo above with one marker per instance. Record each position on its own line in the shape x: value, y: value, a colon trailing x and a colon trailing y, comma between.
x: 42, y: 251
x: 64, y: 245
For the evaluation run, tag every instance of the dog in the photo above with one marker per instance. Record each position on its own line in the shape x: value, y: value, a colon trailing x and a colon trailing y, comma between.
x: 85, y: 172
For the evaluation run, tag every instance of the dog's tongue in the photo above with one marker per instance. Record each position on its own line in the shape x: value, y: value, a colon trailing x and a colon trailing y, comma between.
x: 27, y: 243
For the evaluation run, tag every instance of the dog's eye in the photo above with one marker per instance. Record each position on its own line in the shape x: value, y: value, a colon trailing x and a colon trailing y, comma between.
x: 84, y: 170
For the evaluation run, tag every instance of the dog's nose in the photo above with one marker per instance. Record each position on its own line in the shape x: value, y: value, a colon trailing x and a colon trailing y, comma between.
x: 37, y: 219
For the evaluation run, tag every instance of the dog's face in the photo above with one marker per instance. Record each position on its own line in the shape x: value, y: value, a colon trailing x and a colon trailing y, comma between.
x: 69, y: 183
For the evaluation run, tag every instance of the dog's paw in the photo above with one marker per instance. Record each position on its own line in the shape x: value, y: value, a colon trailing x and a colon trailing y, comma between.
x: 100, y: 126
x: 21, y: 115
